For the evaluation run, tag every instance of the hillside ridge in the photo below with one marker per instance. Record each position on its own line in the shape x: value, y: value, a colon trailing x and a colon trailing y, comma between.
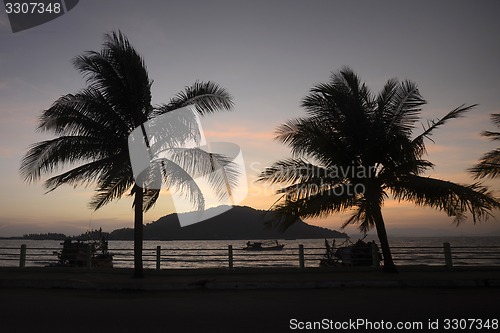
x: 239, y: 222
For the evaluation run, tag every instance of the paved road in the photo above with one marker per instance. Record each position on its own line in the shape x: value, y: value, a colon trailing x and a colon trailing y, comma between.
x: 72, y: 311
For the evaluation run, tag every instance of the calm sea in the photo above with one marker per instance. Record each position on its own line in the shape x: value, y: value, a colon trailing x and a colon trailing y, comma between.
x: 205, y: 254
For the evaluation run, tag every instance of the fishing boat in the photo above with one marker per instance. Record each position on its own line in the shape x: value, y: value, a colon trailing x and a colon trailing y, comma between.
x: 264, y: 246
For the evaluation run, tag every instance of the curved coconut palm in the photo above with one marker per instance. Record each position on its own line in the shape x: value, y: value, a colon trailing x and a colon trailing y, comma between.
x: 363, y: 149
x: 93, y: 126
x: 489, y: 165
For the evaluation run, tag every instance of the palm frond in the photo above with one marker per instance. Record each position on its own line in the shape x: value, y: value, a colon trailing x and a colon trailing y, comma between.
x: 493, y: 136
x: 47, y: 156
x: 319, y: 102
x: 111, y: 188
x: 206, y: 97
x: 403, y: 167
x: 85, y: 113
x: 495, y: 119
x: 291, y: 171
x: 339, y: 106
x: 347, y: 79
x: 402, y: 105
x: 455, y: 199
x: 361, y: 216
x: 219, y: 171
x: 488, y: 166
x: 82, y: 175
x: 311, y: 138
x: 321, y: 204
x: 179, y: 180
x: 433, y: 124
x: 150, y: 197
x: 120, y: 74
x: 173, y: 129
x: 386, y: 96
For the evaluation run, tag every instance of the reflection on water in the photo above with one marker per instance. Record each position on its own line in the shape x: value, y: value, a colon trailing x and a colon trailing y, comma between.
x: 211, y: 254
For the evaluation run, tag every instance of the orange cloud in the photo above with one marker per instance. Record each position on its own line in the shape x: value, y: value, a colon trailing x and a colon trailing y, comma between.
x: 6, y: 152
x: 240, y: 133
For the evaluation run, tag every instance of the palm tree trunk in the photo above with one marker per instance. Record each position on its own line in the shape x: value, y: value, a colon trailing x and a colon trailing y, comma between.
x: 138, y: 231
x: 389, y: 266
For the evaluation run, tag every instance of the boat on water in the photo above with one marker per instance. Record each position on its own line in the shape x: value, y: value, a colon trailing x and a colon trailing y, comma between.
x: 77, y: 253
x: 264, y: 246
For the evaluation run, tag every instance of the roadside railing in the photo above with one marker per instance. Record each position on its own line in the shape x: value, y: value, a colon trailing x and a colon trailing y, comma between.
x: 229, y: 257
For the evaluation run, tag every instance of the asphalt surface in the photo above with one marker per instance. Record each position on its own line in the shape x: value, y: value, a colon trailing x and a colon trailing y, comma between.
x: 269, y: 310
x: 78, y: 300
x: 120, y: 279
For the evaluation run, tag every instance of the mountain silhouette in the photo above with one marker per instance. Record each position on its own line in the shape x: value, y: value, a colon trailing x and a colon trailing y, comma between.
x: 236, y: 223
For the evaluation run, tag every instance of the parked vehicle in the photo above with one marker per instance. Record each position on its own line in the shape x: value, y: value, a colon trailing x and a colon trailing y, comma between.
x: 76, y: 253
x: 348, y: 253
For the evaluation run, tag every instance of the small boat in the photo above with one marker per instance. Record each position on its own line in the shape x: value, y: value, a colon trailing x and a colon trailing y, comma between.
x: 264, y: 246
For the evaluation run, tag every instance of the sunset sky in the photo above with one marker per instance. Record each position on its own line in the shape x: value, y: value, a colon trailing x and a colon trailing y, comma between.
x: 267, y: 54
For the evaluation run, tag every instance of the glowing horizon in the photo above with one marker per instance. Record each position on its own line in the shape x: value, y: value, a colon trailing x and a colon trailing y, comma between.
x: 268, y: 66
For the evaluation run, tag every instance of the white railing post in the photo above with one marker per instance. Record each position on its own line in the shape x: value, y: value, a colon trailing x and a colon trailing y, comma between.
x: 22, y: 258
x: 301, y: 256
x: 447, y: 255
x: 158, y: 257
x: 230, y: 256
x: 89, y: 256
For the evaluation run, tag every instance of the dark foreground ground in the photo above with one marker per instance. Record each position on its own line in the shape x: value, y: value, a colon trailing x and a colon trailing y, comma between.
x: 270, y: 310
x: 276, y: 300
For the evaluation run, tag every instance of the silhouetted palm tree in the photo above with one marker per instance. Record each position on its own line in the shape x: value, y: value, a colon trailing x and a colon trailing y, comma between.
x: 362, y: 149
x: 489, y: 166
x: 93, y: 126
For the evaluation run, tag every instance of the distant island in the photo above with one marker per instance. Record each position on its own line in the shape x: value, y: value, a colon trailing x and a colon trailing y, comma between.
x: 43, y: 236
x: 238, y: 223
x: 94, y: 234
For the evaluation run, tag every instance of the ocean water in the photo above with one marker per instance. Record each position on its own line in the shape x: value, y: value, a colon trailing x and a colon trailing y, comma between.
x: 215, y: 253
